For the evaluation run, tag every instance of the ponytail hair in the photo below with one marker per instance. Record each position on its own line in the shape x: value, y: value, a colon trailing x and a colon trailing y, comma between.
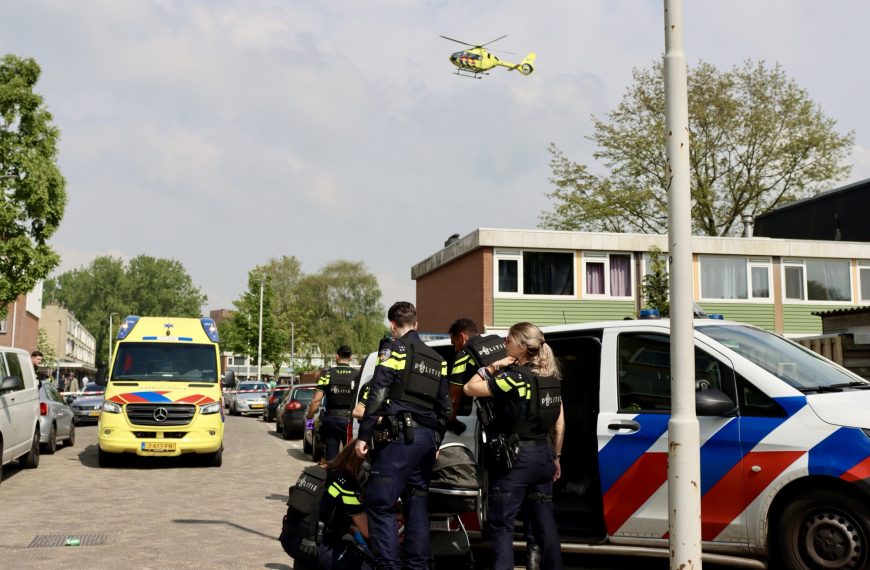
x: 541, y: 359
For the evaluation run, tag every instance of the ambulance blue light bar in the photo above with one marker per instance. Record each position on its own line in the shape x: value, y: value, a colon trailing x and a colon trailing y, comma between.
x: 210, y: 328
x: 127, y: 326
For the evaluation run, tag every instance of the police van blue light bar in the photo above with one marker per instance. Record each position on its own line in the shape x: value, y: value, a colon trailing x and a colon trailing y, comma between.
x: 127, y: 326
x: 210, y: 328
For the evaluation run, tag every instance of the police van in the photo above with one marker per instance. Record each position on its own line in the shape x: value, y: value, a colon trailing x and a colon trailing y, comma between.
x: 163, y: 391
x: 785, y: 445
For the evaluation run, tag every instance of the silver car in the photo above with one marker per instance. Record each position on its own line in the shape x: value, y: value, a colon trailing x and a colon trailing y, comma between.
x: 55, y: 419
x: 88, y: 404
x: 248, y: 398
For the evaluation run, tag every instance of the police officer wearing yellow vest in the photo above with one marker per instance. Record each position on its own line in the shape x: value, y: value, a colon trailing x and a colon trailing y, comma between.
x: 336, y: 385
x: 406, y: 411
x: 522, y: 464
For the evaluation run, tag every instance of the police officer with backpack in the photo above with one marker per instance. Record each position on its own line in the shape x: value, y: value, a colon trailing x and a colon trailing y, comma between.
x: 326, y: 527
x: 336, y: 385
x: 522, y: 463
x: 406, y: 411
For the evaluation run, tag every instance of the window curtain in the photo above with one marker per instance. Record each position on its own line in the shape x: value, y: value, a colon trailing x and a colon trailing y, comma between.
x: 794, y: 283
x: 620, y: 275
x: 723, y: 278
x: 547, y: 273
x: 828, y: 280
x: 595, y: 278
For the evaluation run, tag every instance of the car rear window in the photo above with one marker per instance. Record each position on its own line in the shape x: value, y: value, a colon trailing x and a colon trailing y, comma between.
x: 303, y: 394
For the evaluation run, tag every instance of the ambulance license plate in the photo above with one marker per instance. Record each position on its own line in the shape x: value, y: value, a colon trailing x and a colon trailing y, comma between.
x: 158, y: 446
x: 93, y: 413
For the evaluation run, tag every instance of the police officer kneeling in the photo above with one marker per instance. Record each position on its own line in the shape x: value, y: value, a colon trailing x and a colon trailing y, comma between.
x: 325, y: 527
x: 406, y: 411
x: 522, y: 466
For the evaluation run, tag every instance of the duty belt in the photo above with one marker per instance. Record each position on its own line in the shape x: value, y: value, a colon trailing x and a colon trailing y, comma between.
x: 342, y: 413
x: 528, y: 442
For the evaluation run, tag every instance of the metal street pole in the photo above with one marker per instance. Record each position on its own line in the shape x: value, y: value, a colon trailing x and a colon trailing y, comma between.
x: 110, y: 338
x: 260, y: 334
x: 684, y: 465
x: 292, y: 350
x: 60, y: 350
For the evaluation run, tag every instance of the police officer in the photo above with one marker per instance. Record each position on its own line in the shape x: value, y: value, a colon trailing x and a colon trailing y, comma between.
x: 464, y: 366
x: 341, y: 512
x: 522, y: 464
x: 406, y: 410
x: 336, y: 385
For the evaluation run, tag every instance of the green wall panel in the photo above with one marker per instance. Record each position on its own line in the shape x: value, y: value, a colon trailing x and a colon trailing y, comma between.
x: 798, y: 320
x: 760, y: 315
x: 544, y: 312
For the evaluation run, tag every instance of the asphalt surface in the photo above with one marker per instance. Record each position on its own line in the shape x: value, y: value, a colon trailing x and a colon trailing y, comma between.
x: 167, y: 513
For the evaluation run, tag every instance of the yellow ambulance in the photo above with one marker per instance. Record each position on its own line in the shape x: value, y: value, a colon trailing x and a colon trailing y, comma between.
x: 163, y: 391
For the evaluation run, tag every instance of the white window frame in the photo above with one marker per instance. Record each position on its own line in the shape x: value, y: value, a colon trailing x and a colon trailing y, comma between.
x: 517, y: 256
x: 604, y: 257
x: 862, y: 265
x: 802, y: 263
x: 751, y: 263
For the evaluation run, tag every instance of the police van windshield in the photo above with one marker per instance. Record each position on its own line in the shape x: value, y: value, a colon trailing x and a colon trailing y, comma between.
x: 794, y: 364
x: 165, y: 361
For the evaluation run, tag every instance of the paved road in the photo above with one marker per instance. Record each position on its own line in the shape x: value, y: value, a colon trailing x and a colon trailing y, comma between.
x: 153, y: 514
x: 167, y: 513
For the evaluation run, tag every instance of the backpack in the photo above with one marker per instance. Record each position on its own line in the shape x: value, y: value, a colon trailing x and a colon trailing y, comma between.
x: 303, y: 505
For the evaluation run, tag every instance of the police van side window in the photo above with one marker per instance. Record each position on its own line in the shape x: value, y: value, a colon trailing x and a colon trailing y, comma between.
x: 14, y: 366
x: 4, y: 371
x: 645, y: 373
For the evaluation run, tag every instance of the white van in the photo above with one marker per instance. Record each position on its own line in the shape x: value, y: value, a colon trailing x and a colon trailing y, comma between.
x: 19, y: 410
x: 785, y: 445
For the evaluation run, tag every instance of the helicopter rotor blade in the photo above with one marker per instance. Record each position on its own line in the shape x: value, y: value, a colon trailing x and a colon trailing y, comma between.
x: 459, y: 42
x: 493, y: 41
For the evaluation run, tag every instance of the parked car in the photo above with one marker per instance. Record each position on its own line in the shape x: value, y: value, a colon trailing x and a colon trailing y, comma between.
x: 290, y: 416
x: 19, y: 410
x: 311, y: 442
x: 273, y: 398
x: 55, y: 419
x: 248, y: 398
x: 88, y: 404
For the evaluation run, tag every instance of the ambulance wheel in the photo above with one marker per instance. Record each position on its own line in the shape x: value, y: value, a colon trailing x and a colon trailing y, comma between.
x: 827, y: 530
x: 215, y: 459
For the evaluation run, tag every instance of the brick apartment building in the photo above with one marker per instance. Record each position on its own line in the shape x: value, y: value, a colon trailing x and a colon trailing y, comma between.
x: 20, y: 327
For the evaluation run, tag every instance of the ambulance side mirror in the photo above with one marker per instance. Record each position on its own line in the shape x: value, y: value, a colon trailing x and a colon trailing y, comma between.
x: 229, y: 379
x: 713, y: 402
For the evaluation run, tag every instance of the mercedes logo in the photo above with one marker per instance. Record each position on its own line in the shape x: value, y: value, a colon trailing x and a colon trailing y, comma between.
x: 160, y: 414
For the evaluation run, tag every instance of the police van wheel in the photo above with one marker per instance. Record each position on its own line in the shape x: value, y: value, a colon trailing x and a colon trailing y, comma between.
x: 827, y: 530
x: 31, y: 459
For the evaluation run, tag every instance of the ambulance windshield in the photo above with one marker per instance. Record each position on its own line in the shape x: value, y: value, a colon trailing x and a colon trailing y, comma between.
x: 165, y: 361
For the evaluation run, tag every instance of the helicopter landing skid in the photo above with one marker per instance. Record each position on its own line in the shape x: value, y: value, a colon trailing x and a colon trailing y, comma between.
x: 470, y: 74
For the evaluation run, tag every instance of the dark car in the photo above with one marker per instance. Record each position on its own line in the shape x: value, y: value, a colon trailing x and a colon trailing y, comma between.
x: 290, y: 415
x: 276, y: 394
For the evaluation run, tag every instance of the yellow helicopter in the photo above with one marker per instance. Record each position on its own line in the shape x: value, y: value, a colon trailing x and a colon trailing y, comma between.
x: 477, y: 61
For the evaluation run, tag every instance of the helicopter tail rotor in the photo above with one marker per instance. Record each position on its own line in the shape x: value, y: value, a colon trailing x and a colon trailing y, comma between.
x: 526, y: 67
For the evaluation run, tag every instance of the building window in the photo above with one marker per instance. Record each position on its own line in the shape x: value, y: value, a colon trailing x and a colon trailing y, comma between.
x: 3, y: 326
x: 864, y: 280
x: 607, y: 274
x: 734, y: 278
x: 534, y: 272
x: 817, y: 280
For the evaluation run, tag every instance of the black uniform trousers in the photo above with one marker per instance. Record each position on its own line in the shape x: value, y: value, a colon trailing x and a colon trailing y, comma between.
x: 335, y: 557
x: 397, y: 468
x: 531, y: 482
x: 333, y: 432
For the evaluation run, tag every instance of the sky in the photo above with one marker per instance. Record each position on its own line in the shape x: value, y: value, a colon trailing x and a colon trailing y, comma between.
x: 223, y: 133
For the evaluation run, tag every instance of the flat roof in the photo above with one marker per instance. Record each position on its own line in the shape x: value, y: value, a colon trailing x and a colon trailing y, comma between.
x: 606, y: 241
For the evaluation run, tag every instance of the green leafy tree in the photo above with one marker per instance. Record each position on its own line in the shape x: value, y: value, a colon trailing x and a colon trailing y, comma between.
x: 145, y: 287
x: 49, y: 356
x: 655, y: 290
x: 32, y: 195
x: 244, y: 324
x: 757, y: 141
x: 342, y: 303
